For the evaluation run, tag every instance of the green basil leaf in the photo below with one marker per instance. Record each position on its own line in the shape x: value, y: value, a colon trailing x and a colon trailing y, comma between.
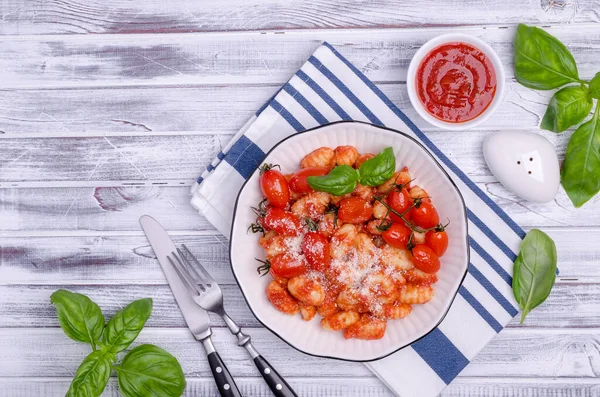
x: 534, y: 271
x: 569, y: 106
x: 379, y: 169
x: 541, y: 60
x: 79, y: 317
x: 148, y: 370
x: 91, y: 377
x: 340, y: 180
x: 126, y: 325
x: 595, y: 86
x: 580, y: 174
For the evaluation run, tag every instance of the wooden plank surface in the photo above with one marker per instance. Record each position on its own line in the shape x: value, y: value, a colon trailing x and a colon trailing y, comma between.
x: 101, y: 209
x: 244, y: 58
x: 117, y: 16
x: 114, y: 258
x: 98, y: 129
x: 571, y: 305
x: 335, y: 387
x: 514, y: 353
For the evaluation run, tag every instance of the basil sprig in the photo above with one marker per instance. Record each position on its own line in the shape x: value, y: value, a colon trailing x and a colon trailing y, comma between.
x: 343, y: 178
x: 148, y: 367
x: 541, y: 60
x: 534, y: 271
x: 79, y: 317
x: 144, y: 368
x: 544, y: 63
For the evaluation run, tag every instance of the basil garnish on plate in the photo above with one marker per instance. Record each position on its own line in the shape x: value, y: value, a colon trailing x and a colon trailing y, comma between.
x: 543, y: 62
x: 144, y: 368
x: 379, y: 169
x: 343, y: 178
x: 534, y: 271
x: 339, y: 181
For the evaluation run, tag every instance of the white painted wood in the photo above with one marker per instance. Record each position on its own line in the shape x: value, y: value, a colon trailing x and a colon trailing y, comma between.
x: 117, y: 16
x: 154, y: 112
x: 571, y: 305
x: 81, y: 210
x: 86, y: 117
x: 243, y: 58
x: 119, y: 258
x: 333, y: 387
x: 514, y: 353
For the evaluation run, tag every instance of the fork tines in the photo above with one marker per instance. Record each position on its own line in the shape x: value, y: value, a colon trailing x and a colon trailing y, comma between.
x: 195, y: 282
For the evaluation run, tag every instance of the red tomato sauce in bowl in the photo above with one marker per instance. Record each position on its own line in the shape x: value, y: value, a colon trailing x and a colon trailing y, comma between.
x: 456, y: 82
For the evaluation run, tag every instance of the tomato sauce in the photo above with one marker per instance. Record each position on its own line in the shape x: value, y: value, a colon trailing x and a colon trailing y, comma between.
x: 456, y: 82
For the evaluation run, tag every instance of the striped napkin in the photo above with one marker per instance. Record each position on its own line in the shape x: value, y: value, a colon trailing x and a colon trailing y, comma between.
x: 329, y: 88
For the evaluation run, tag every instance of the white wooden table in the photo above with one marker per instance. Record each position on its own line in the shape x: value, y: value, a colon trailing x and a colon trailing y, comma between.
x: 110, y: 108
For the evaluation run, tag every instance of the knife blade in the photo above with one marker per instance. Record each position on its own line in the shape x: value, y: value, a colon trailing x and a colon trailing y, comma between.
x: 196, y: 318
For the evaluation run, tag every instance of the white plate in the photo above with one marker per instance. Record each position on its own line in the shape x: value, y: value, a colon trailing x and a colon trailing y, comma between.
x: 309, y: 337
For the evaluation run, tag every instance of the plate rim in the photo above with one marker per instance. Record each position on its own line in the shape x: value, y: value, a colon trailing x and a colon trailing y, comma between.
x: 467, y: 245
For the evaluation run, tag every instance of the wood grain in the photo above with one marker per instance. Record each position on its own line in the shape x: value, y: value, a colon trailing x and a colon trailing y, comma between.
x: 116, y: 16
x: 513, y: 354
x: 202, y: 110
x: 333, y: 387
x: 37, y: 211
x: 570, y: 305
x: 244, y: 58
x: 118, y: 258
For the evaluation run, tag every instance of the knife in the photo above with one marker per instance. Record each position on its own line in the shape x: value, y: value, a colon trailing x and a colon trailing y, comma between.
x: 196, y: 318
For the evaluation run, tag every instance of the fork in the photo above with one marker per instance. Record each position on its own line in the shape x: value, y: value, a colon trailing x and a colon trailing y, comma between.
x: 208, y: 295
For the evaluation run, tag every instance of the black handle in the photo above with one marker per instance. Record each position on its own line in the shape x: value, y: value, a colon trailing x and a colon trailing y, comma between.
x: 278, y: 385
x: 225, y: 382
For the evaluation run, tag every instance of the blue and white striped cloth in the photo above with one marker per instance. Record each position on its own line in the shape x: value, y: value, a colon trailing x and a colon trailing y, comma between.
x: 329, y: 88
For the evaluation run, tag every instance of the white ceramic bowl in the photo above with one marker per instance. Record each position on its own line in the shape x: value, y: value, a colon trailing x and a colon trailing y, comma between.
x: 309, y: 337
x: 450, y: 38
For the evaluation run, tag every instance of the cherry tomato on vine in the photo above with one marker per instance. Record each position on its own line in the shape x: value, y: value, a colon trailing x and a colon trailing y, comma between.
x: 298, y: 182
x: 437, y: 241
x: 355, y: 210
x: 426, y: 216
x: 283, y: 222
x: 425, y: 259
x: 315, y: 248
x: 400, y: 201
x: 397, y: 235
x: 286, y: 266
x: 274, y: 186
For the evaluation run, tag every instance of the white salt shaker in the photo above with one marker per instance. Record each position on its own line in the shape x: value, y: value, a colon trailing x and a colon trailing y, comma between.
x: 525, y: 163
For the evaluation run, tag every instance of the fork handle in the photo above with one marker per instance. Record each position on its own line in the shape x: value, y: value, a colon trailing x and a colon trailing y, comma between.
x: 276, y: 383
x: 225, y: 382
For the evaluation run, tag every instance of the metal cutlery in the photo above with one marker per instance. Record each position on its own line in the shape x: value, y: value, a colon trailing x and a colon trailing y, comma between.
x: 195, y: 316
x: 208, y: 295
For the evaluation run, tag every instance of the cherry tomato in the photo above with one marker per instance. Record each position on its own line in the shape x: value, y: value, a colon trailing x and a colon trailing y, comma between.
x: 400, y: 201
x: 397, y: 235
x: 274, y: 187
x: 355, y: 210
x: 425, y: 259
x: 283, y: 222
x: 437, y: 241
x: 425, y: 216
x: 315, y: 248
x: 298, y: 182
x: 286, y: 266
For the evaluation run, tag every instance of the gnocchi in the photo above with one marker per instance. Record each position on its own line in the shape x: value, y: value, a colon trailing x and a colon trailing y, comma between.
x: 346, y: 272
